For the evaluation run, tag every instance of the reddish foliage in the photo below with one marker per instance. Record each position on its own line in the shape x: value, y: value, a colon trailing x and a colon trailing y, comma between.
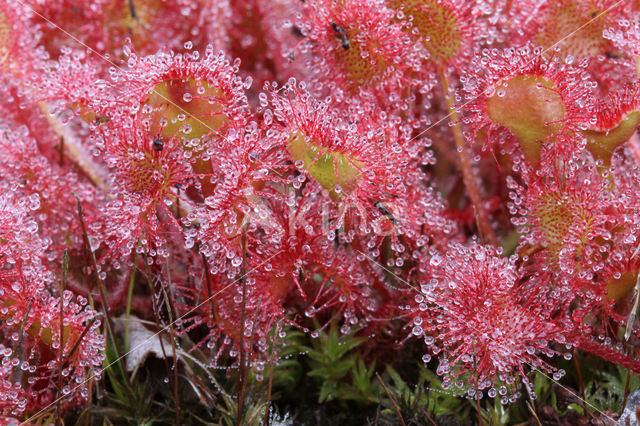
x: 329, y: 192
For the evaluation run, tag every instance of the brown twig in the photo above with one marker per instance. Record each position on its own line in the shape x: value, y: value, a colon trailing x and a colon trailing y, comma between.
x: 580, y: 381
x: 127, y: 312
x: 61, y: 151
x: 392, y: 399
x: 89, y: 399
x: 433, y: 422
x: 533, y: 412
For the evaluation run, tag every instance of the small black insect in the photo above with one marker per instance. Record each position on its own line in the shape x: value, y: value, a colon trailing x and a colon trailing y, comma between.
x: 132, y: 10
x: 341, y: 35
x: 158, y: 144
x: 385, y: 211
x: 296, y: 31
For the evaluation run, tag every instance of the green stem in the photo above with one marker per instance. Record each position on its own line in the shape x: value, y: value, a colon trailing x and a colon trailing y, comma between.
x: 129, y: 298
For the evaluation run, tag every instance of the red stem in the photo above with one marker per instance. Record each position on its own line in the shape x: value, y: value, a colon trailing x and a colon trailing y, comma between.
x: 609, y: 354
x: 482, y: 216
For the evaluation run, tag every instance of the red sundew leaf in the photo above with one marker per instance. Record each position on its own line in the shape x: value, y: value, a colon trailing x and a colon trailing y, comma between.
x: 576, y: 31
x: 610, y: 354
x: 81, y: 82
x: 483, y: 320
x: 577, y: 27
x: 13, y: 398
x: 357, y: 161
x: 260, y: 33
x: 308, y: 272
x: 625, y: 35
x: 104, y: 25
x: 197, y: 100
x: 148, y: 175
x: 356, y: 47
x: 220, y: 313
x: 20, y: 245
x: 18, y: 52
x: 561, y: 213
x: 249, y: 171
x: 576, y: 223
x: 539, y: 101
x: 614, y: 121
x: 29, y: 175
x: 446, y: 28
x: 29, y: 317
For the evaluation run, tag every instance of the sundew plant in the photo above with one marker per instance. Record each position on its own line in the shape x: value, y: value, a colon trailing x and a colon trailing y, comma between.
x: 389, y: 212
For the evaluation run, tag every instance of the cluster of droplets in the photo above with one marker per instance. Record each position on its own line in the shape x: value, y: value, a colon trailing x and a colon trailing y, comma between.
x: 19, y: 50
x: 486, y: 325
x: 503, y: 84
x: 625, y: 35
x: 13, y: 399
x: 104, y: 25
x: 322, y: 194
x: 33, y: 323
x: 357, y: 47
x: 567, y: 221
